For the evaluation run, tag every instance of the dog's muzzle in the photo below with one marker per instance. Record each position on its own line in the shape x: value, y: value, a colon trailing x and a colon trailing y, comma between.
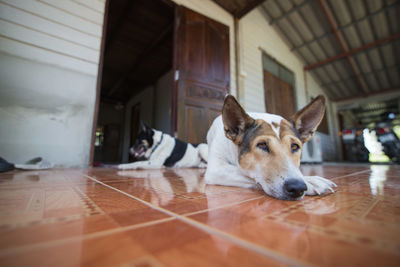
x: 137, y: 151
x: 294, y: 188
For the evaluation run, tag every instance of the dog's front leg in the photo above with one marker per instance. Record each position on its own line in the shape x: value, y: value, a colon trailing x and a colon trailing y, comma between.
x: 317, y: 185
x: 221, y: 173
x: 147, y: 164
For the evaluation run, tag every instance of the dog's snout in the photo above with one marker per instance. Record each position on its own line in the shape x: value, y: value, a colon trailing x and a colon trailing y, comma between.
x: 294, y: 188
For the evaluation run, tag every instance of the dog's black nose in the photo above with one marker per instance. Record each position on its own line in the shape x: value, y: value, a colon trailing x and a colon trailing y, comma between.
x: 294, y: 188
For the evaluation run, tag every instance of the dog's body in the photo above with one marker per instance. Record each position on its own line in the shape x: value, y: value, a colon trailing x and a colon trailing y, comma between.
x: 162, y: 150
x: 265, y: 149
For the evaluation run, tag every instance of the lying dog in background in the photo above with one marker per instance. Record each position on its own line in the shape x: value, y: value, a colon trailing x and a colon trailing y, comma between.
x: 162, y: 150
x: 265, y: 149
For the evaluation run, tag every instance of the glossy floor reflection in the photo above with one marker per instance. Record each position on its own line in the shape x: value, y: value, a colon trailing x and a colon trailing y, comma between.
x: 106, y: 217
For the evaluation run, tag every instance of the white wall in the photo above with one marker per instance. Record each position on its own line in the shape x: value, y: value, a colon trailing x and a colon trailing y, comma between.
x: 49, y: 53
x: 256, y: 35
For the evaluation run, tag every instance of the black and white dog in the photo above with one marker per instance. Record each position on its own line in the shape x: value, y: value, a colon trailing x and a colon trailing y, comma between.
x: 161, y: 150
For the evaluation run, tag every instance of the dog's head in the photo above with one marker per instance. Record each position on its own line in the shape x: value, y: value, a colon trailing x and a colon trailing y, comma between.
x: 269, y: 152
x: 144, y: 142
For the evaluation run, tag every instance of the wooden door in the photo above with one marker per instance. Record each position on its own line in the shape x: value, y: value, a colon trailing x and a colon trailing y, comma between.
x: 279, y: 96
x: 201, y: 80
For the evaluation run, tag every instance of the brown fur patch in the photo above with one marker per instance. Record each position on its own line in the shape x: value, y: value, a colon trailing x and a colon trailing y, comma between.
x: 289, y: 136
x: 286, y: 128
x: 273, y: 162
x: 259, y: 128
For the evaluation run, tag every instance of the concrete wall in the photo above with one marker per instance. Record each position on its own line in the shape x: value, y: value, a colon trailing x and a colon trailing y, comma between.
x: 49, y: 53
x: 256, y: 36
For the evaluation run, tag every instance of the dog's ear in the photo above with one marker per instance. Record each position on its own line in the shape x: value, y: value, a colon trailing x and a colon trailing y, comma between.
x: 307, y: 119
x: 235, y: 119
x: 143, y: 126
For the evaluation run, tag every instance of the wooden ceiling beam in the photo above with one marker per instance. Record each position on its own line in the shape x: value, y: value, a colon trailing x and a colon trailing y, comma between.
x: 353, y: 51
x: 375, y: 93
x: 344, y: 27
x: 249, y: 7
x: 340, y: 39
x: 140, y: 58
x: 122, y: 18
x: 240, y: 12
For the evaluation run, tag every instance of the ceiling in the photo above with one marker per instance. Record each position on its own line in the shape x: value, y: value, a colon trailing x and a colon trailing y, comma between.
x: 138, y: 47
x: 352, y: 47
x: 238, y: 8
x: 371, y: 113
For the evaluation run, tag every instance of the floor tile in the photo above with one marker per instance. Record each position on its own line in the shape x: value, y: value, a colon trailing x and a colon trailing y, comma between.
x: 168, y: 244
x: 181, y: 191
x: 327, y: 230
x: 50, y: 211
x: 108, y: 217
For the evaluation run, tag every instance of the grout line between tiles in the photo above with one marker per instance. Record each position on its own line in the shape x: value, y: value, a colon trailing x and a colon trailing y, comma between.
x: 374, y: 203
x: 222, y: 206
x: 351, y: 174
x: 232, y: 238
x: 7, y: 252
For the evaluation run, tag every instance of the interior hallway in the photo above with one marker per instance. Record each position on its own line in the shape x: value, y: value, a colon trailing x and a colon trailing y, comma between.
x: 106, y: 217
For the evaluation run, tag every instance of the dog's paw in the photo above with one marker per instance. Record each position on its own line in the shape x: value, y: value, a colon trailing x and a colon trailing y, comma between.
x: 317, y: 185
x: 128, y: 166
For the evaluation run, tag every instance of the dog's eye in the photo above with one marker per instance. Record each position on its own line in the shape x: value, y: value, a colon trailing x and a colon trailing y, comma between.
x: 294, y: 147
x: 263, y: 146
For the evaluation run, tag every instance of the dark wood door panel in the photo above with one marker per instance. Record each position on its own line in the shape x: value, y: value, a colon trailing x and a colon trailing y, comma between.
x: 196, y: 127
x: 206, y: 49
x: 217, y: 51
x: 202, y: 61
x: 205, y: 92
x: 194, y: 57
x: 212, y: 114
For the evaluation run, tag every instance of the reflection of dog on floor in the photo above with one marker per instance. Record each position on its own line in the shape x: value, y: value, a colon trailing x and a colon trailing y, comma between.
x: 265, y: 149
x: 162, y: 150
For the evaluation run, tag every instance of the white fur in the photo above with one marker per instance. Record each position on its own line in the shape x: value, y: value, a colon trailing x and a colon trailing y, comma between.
x: 224, y: 169
x: 193, y: 157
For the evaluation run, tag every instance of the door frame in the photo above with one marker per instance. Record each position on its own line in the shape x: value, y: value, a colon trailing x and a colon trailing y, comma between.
x: 100, y: 76
x: 177, y: 39
x: 98, y: 83
x: 175, y: 72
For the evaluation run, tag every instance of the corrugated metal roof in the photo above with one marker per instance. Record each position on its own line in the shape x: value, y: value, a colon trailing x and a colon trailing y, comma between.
x: 371, y: 27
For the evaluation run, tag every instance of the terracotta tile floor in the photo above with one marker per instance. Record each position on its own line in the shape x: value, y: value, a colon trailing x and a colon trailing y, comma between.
x: 105, y: 217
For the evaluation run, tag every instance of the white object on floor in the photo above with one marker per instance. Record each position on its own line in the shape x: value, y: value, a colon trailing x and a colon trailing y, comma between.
x: 35, y: 164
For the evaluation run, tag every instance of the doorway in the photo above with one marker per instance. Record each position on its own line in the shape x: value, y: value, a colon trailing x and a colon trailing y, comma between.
x: 163, y: 64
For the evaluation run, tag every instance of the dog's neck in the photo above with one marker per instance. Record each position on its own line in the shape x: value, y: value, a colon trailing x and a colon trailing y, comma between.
x: 157, y: 138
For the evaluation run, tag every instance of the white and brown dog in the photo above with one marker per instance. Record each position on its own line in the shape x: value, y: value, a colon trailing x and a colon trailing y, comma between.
x: 265, y: 149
